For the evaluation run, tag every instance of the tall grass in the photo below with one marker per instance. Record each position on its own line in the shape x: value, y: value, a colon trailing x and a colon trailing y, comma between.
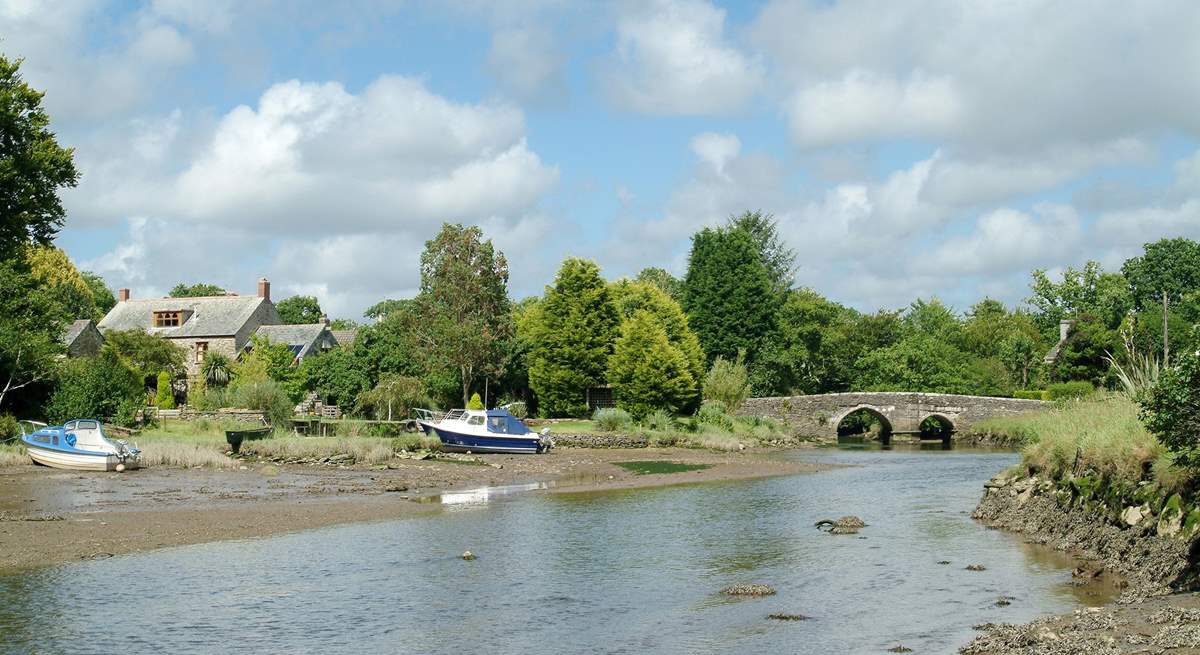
x: 364, y: 450
x: 1100, y: 435
x: 13, y: 454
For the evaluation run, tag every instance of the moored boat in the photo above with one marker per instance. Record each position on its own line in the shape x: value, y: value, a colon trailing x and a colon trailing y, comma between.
x: 482, y: 431
x: 236, y: 437
x: 80, y: 445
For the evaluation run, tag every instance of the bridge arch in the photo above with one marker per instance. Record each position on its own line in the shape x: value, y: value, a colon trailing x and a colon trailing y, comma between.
x: 844, y: 422
x: 936, y: 426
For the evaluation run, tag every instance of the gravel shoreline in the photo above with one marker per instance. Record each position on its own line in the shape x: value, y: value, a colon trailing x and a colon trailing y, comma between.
x: 1152, y: 615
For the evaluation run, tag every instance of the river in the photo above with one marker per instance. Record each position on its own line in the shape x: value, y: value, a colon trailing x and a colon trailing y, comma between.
x: 635, y: 571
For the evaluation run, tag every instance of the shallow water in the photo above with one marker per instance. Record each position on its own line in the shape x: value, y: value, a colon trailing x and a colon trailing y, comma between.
x: 631, y: 571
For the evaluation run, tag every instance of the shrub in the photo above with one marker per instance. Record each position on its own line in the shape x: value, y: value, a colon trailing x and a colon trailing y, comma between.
x: 9, y: 429
x: 517, y: 408
x: 166, y: 395
x: 715, y: 414
x: 728, y: 382
x: 1070, y: 390
x: 1032, y: 394
x: 1171, y: 410
x: 267, y: 397
x: 659, y: 420
x: 476, y: 402
x: 100, y: 387
x: 394, y: 397
x: 208, y: 398
x: 611, y: 419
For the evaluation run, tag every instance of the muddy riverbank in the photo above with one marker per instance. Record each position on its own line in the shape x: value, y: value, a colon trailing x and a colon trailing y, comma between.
x: 48, y: 516
x: 1155, y: 614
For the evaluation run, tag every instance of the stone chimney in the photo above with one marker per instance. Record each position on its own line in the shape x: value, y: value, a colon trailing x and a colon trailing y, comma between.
x: 324, y: 320
x: 1064, y: 329
x: 264, y: 288
x: 122, y: 295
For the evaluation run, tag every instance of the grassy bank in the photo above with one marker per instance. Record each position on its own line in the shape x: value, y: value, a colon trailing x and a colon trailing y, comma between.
x: 713, y: 431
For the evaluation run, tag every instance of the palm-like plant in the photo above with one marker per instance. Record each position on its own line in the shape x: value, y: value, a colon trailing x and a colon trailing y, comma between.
x: 216, y: 370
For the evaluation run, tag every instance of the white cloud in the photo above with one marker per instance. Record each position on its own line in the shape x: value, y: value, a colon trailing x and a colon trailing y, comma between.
x: 865, y: 105
x: 1006, y: 240
x: 716, y: 149
x: 672, y: 57
x: 529, y: 64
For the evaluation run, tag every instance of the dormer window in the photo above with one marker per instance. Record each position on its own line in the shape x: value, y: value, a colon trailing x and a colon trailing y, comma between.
x: 168, y: 319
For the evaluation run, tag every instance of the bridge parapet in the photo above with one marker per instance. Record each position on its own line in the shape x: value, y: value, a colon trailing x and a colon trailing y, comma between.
x: 901, y: 411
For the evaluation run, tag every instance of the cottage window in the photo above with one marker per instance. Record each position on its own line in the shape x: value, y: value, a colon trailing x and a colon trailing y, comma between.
x: 167, y: 319
x: 201, y: 351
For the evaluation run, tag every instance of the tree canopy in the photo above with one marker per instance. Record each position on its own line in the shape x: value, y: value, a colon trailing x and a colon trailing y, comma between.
x: 299, y: 310
x: 33, y: 166
x: 571, y: 336
x: 646, y: 371
x: 197, y: 290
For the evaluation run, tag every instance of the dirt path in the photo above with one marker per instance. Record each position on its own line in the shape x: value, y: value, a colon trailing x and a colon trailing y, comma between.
x: 49, y: 516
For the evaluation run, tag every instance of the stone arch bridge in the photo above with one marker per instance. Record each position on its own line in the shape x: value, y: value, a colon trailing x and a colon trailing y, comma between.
x: 898, y: 412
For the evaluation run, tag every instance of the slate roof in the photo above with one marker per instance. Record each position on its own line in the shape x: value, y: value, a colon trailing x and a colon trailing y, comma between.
x: 74, y: 330
x: 302, y: 339
x: 210, y: 316
x: 345, y: 337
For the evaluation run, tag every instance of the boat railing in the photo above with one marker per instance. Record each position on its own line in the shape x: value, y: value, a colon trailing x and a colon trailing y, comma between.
x: 432, y: 416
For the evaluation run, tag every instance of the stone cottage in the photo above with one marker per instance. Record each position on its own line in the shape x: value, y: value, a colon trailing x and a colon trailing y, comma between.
x: 197, y: 325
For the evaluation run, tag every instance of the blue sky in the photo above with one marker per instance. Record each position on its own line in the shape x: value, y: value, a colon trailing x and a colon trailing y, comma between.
x: 907, y: 149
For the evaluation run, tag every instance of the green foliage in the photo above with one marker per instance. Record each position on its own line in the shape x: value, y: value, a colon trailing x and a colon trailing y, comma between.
x: 9, y: 428
x: 102, y: 296
x: 1171, y: 410
x: 344, y: 324
x: 1032, y: 394
x: 921, y: 362
x: 216, y: 369
x: 148, y: 354
x: 517, y: 408
x: 165, y: 398
x: 29, y: 334
x: 1170, y: 266
x: 1084, y: 356
x: 611, y: 419
x: 265, y: 362
x: 476, y: 402
x: 715, y: 413
x: 729, y: 294
x: 383, y: 308
x: 338, y: 376
x: 571, y: 335
x: 812, y: 347
x: 266, y: 396
x: 33, y: 167
x: 727, y: 382
x: 646, y: 371
x: 665, y: 282
x: 101, y: 387
x: 465, y: 318
x: 659, y: 420
x: 1090, y: 291
x: 299, y: 310
x: 1070, y: 390
x: 57, y: 274
x: 198, y: 290
x: 776, y: 257
x: 395, y: 396
x: 209, y: 399
x: 632, y: 297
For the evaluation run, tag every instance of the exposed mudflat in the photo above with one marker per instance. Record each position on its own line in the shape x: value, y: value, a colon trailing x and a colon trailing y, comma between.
x: 49, y: 516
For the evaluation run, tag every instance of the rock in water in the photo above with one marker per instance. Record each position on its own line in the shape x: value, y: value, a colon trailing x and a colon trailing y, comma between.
x: 787, y: 617
x: 748, y: 590
x: 851, y: 522
x: 844, y: 525
x: 900, y: 648
x: 468, y: 555
x: 976, y: 567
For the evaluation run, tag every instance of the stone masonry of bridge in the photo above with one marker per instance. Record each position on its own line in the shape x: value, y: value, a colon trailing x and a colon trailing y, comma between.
x: 901, y: 412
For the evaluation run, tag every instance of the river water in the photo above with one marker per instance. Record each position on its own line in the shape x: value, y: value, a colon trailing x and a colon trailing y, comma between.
x: 633, y: 571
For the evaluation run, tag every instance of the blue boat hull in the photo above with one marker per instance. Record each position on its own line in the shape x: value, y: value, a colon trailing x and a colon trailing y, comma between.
x: 457, y: 442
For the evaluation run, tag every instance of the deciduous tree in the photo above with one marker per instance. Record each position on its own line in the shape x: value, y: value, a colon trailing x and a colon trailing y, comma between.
x: 198, y: 290
x: 299, y: 310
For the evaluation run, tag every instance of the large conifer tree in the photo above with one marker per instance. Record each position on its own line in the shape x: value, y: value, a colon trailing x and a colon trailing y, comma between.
x: 728, y: 293
x: 572, y: 335
x: 647, y: 371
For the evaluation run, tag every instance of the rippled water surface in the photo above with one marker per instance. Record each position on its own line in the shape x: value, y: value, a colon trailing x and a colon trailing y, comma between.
x: 612, y: 572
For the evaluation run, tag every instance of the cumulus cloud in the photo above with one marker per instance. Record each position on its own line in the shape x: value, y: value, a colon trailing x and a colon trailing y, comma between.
x: 998, y: 77
x: 673, y: 57
x: 529, y: 64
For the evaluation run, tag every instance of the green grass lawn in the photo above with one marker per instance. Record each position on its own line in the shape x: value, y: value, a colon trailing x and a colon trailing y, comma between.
x: 656, y: 466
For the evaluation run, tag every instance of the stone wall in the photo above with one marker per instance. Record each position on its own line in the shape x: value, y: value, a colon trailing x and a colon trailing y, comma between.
x: 598, y: 441
x: 224, y: 345
x: 818, y: 416
x: 241, y: 415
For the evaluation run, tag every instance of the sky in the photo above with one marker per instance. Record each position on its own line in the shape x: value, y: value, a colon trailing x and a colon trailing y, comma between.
x: 927, y: 148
